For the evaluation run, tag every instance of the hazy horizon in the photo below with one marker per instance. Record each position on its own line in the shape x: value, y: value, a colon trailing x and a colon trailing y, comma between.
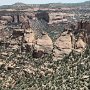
x: 9, y: 2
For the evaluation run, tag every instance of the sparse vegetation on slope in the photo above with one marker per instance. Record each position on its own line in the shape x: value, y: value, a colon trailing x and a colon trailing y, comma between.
x: 19, y: 71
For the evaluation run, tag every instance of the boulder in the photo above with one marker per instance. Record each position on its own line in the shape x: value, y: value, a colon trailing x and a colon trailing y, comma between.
x: 37, y: 54
x: 17, y: 33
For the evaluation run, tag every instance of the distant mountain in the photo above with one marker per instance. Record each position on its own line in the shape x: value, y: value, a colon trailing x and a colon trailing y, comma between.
x: 19, y: 4
x: 82, y: 4
x: 50, y: 5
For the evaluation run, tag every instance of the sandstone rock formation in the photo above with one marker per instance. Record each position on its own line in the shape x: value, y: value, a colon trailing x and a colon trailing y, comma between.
x: 80, y: 45
x: 44, y: 43
x: 3, y: 22
x: 81, y: 41
x: 6, y: 18
x: 63, y: 45
x: 29, y: 37
x: 4, y: 34
x: 40, y: 45
x: 23, y: 18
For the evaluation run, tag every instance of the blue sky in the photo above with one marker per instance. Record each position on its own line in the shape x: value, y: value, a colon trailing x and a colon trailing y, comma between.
x: 7, y: 2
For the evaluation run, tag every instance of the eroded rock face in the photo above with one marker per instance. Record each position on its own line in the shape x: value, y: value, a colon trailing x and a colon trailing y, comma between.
x: 68, y: 42
x: 3, y: 22
x: 7, y: 18
x: 80, y: 45
x: 29, y: 37
x: 80, y: 41
x: 44, y: 44
x: 88, y: 40
x: 23, y: 19
x: 40, y: 45
x: 63, y: 45
x: 4, y: 34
